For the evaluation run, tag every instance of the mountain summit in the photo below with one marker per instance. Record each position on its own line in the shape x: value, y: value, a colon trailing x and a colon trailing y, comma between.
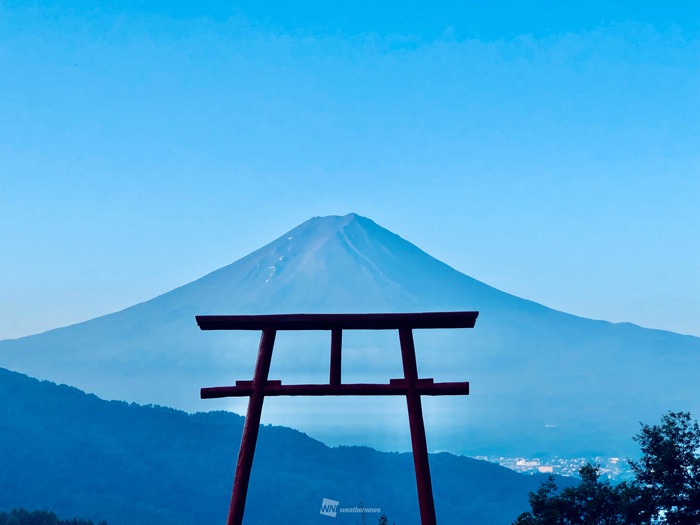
x: 334, y: 264
x: 542, y: 381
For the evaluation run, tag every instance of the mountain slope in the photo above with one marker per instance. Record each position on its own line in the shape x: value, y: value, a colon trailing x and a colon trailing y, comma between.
x: 138, y: 465
x: 542, y: 380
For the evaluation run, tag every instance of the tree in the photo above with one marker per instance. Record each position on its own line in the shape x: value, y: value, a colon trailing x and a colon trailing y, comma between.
x: 666, y: 488
x: 39, y: 517
x: 592, y: 502
x: 669, y: 468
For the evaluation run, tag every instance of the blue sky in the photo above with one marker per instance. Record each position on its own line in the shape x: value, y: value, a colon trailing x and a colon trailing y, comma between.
x: 550, y: 150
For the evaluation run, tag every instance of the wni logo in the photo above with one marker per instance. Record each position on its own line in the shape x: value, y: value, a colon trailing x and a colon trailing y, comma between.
x: 329, y: 507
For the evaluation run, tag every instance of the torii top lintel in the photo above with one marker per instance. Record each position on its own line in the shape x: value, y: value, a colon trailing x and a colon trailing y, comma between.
x: 376, y: 321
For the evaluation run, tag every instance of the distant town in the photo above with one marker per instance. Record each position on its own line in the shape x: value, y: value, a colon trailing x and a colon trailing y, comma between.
x: 611, y: 467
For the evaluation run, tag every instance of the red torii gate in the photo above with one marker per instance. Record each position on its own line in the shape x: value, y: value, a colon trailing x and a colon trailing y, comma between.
x: 410, y: 385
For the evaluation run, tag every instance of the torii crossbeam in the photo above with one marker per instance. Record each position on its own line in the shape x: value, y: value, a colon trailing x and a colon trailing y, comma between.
x: 410, y: 385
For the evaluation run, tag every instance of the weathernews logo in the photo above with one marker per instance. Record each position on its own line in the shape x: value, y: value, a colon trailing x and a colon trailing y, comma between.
x: 331, y: 508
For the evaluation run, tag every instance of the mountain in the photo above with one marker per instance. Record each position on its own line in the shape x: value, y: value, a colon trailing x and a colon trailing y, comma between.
x: 136, y: 465
x: 543, y: 381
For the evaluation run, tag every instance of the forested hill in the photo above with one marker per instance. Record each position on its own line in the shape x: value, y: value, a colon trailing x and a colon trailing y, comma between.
x: 128, y: 464
x: 39, y: 517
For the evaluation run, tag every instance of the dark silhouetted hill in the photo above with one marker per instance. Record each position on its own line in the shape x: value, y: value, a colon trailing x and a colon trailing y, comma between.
x: 75, y: 454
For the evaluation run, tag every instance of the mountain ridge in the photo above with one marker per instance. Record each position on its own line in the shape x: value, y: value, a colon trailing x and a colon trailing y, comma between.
x: 542, y: 380
x: 137, y: 465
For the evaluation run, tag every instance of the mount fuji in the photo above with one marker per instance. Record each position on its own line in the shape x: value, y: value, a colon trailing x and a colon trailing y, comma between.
x: 543, y: 382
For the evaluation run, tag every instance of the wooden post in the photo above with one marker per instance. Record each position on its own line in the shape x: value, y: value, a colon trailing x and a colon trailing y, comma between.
x: 415, y: 421
x: 336, y: 355
x: 250, y: 429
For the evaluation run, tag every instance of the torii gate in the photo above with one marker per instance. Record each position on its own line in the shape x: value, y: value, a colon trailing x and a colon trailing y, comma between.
x: 410, y: 385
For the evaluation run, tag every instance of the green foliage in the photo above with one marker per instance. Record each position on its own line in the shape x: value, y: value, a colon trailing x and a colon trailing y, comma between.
x: 592, y: 502
x: 666, y: 488
x: 39, y: 517
x: 670, y: 468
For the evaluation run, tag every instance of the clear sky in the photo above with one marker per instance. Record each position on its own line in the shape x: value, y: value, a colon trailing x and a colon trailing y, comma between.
x: 550, y: 149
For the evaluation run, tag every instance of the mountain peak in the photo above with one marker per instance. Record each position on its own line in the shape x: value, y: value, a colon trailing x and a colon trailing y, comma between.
x: 326, y: 226
x: 334, y: 263
x: 331, y: 263
x: 344, y: 219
